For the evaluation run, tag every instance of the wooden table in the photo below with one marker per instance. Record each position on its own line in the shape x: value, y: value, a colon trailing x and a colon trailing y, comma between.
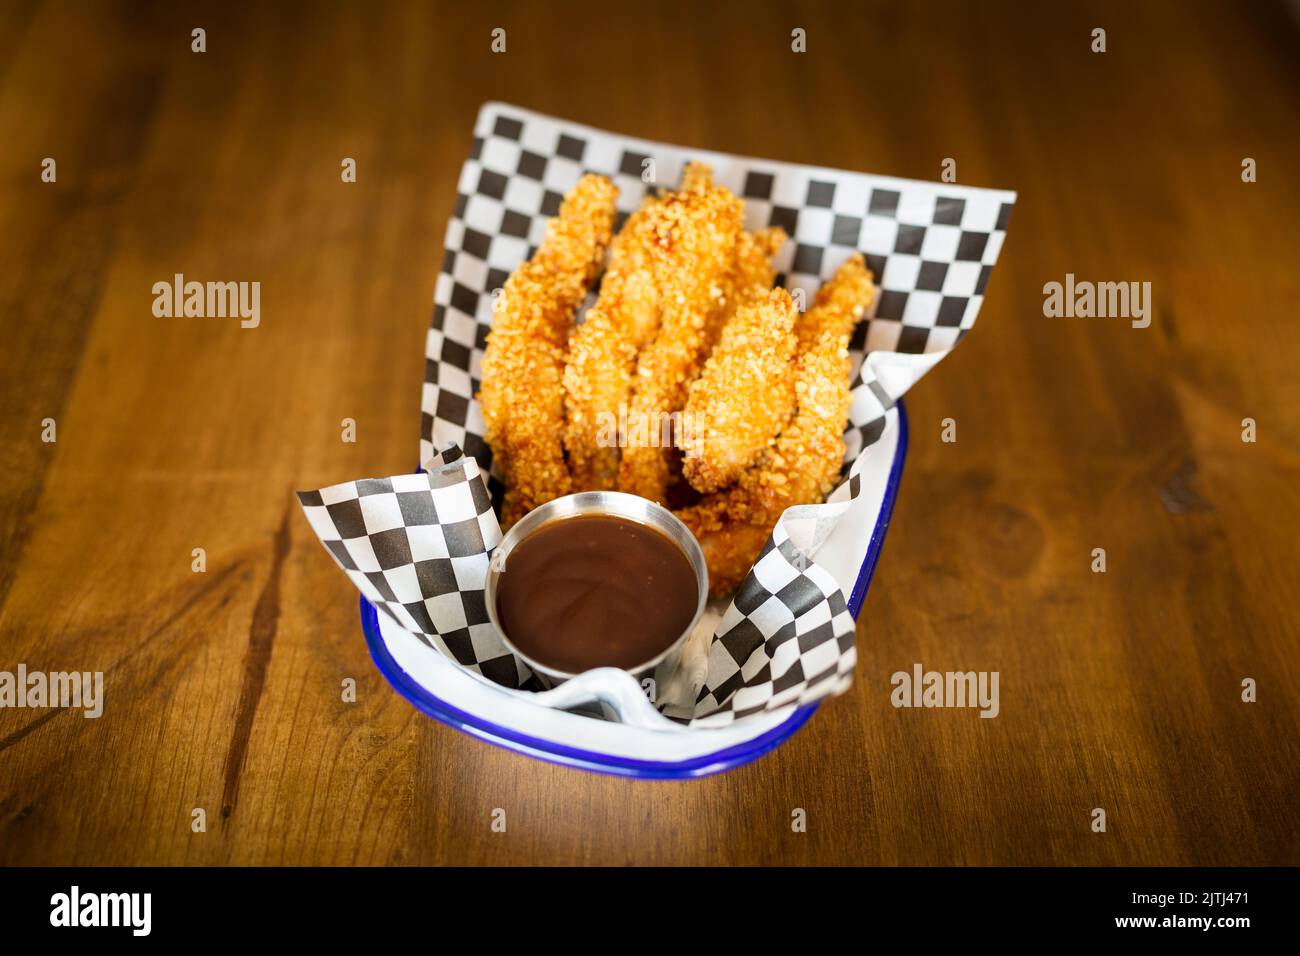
x: 1120, y: 691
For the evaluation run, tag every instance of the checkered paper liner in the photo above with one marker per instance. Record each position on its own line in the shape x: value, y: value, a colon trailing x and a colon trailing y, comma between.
x: 418, y: 546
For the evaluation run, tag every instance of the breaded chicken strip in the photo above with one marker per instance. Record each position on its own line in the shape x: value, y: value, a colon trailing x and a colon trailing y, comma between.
x: 750, y: 277
x: 522, y: 393
x: 748, y: 281
x: 803, y: 465
x: 693, y: 240
x: 744, y: 396
x: 839, y: 304
x: 602, y: 355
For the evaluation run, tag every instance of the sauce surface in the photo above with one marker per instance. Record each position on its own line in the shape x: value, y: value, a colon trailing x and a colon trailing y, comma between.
x: 595, y: 591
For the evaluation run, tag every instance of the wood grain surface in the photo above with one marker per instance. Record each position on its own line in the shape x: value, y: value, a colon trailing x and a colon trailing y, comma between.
x: 1119, y: 690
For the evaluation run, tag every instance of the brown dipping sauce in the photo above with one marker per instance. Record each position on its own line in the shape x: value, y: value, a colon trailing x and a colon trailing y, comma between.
x: 595, y: 591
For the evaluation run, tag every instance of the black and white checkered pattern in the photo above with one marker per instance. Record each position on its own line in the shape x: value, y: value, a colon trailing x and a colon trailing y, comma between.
x: 417, y: 547
x: 787, y: 637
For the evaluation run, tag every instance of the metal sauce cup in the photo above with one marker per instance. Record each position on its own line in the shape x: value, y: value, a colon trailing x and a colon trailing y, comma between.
x: 618, y: 504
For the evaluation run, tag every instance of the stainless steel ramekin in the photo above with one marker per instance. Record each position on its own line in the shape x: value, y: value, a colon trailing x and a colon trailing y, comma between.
x: 622, y: 505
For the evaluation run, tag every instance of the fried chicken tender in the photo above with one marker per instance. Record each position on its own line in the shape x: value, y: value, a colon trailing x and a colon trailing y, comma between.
x: 748, y: 281
x: 751, y: 275
x: 602, y: 355
x: 693, y: 240
x: 839, y: 303
x: 801, y: 467
x: 522, y: 394
x: 744, y: 396
x: 803, y: 464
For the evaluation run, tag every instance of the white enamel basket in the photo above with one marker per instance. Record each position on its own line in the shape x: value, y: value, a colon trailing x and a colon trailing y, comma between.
x: 635, y: 740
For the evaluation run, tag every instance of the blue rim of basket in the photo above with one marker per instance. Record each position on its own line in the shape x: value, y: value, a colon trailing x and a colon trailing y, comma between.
x: 564, y: 755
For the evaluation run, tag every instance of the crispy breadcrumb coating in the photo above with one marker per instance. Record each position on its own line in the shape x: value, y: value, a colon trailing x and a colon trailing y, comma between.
x: 803, y: 464
x: 748, y: 280
x: 839, y: 304
x: 693, y: 240
x: 697, y: 178
x: 602, y: 355
x: 522, y: 394
x: 750, y: 277
x: 744, y: 396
